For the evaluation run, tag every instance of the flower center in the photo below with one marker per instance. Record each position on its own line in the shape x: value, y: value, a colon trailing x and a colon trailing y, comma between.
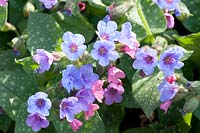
x: 64, y: 106
x: 105, y: 36
x: 112, y: 91
x: 148, y: 59
x: 169, y: 1
x: 168, y: 60
x: 102, y: 51
x: 37, y: 117
x: 40, y: 102
x: 73, y: 48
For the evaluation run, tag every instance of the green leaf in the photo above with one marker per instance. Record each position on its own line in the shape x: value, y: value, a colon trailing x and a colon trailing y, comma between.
x: 144, y: 92
x: 3, y: 15
x: 43, y: 31
x: 192, y: 43
x: 76, y: 24
x: 7, y: 60
x: 146, y: 18
x: 197, y: 113
x: 192, y: 22
x: 5, y: 122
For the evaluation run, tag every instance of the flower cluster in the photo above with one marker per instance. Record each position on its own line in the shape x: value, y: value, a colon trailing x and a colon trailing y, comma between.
x: 38, y: 107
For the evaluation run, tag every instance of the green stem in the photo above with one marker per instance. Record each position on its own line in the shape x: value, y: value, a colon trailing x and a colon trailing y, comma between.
x: 146, y: 26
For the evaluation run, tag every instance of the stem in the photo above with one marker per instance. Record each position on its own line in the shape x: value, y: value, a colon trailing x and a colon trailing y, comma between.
x: 146, y: 26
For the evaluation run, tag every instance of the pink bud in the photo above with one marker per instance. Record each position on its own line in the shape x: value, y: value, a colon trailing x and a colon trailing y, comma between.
x: 170, y: 20
x: 91, y: 111
x: 164, y: 106
x: 75, y: 125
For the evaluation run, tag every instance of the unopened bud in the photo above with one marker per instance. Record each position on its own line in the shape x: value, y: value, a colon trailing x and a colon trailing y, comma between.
x: 191, y: 105
x: 8, y: 27
x: 184, y: 13
x: 28, y: 8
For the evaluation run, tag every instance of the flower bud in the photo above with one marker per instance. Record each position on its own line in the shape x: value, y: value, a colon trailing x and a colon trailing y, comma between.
x: 191, y: 105
x: 28, y: 7
x: 184, y: 12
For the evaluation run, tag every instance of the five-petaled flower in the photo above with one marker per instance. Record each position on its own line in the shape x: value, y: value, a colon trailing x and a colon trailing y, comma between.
x: 114, y: 75
x: 44, y: 59
x: 104, y: 51
x: 73, y: 46
x: 39, y: 103
x: 146, y: 60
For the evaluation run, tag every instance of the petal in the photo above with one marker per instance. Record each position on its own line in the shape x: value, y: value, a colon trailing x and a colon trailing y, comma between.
x: 113, y: 55
x: 94, y: 54
x: 179, y: 65
x: 101, y: 27
x: 68, y: 37
x: 79, y: 39
x: 137, y: 64
x: 111, y: 26
x: 103, y: 61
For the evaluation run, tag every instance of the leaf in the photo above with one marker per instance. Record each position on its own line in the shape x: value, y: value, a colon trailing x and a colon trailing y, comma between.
x: 7, y: 60
x: 43, y: 31
x: 76, y: 24
x: 5, y: 122
x: 144, y: 92
x: 146, y: 18
x: 3, y: 16
x: 192, y: 43
x: 197, y: 112
x: 192, y: 22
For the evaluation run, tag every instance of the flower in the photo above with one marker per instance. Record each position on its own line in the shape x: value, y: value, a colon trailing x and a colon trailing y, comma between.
x: 171, y: 79
x: 114, y: 74
x: 104, y: 52
x: 146, y: 60
x: 48, y: 3
x: 167, y: 91
x: 81, y: 6
x: 39, y: 103
x: 169, y: 60
x: 85, y: 97
x: 91, y: 111
x: 170, y: 20
x: 75, y: 125
x: 37, y: 121
x: 68, y: 108
x: 71, y: 78
x: 107, y: 30
x: 113, y: 94
x: 3, y: 2
x: 73, y: 46
x: 88, y: 77
x: 97, y: 90
x: 128, y: 39
x: 164, y: 106
x: 44, y: 59
x: 167, y: 4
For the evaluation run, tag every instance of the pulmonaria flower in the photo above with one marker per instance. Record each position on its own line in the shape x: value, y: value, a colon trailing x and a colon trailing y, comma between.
x: 128, y: 38
x: 164, y: 106
x: 107, y: 30
x: 146, y: 60
x: 48, y: 3
x: 44, y: 59
x: 113, y: 94
x: 167, y: 91
x: 88, y: 77
x: 167, y: 4
x: 85, y: 97
x: 91, y: 111
x: 170, y: 20
x: 68, y: 108
x: 170, y: 60
x: 73, y: 46
x: 3, y: 2
x: 81, y: 6
x: 114, y: 74
x: 37, y: 121
x: 97, y: 90
x: 71, y: 78
x: 75, y: 125
x: 104, y: 52
x: 39, y: 103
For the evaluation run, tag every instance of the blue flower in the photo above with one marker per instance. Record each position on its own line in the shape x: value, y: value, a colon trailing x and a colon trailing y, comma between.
x: 167, y: 4
x: 88, y: 77
x: 85, y: 97
x: 107, y: 30
x: 170, y: 60
x: 39, y: 103
x: 167, y: 91
x: 73, y: 46
x: 49, y: 3
x: 71, y: 78
x: 104, y: 52
x: 69, y: 107
x: 44, y: 59
x: 146, y: 60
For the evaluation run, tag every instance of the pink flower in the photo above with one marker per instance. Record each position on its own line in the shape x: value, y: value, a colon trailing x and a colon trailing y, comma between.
x: 75, y: 125
x: 91, y: 111
x: 171, y: 79
x: 170, y: 20
x: 3, y: 2
x: 164, y: 106
x: 114, y: 74
x: 97, y: 90
x: 81, y: 6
